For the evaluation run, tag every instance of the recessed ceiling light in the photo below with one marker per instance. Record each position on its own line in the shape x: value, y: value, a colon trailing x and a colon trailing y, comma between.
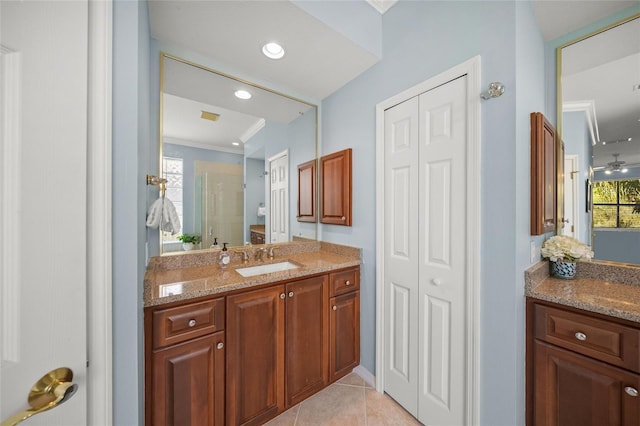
x: 242, y: 94
x: 273, y: 50
x: 235, y: 143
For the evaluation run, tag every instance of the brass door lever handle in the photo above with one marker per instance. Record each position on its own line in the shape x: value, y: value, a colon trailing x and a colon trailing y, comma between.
x: 51, y: 390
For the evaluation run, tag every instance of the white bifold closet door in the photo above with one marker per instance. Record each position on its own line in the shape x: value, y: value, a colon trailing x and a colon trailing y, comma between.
x: 425, y: 254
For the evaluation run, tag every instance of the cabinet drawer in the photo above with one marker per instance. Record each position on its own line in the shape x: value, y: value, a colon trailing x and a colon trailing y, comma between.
x: 182, y: 323
x: 604, y: 340
x: 344, y: 282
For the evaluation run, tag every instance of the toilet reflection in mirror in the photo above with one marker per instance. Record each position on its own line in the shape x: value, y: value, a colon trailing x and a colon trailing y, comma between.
x: 215, y: 149
x: 599, y: 109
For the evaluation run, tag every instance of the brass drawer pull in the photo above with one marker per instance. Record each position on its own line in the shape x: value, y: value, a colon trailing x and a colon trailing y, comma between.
x: 581, y: 336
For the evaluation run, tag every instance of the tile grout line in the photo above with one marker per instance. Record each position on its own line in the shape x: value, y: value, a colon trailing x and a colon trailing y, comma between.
x: 366, y: 409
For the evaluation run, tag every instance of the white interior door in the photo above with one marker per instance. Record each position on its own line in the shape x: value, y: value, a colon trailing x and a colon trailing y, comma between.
x: 279, y: 198
x: 442, y: 254
x: 401, y: 280
x: 425, y: 264
x: 570, y: 225
x: 44, y: 66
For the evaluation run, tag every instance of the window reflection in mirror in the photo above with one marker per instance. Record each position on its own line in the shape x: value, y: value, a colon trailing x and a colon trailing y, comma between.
x: 215, y: 149
x: 599, y: 109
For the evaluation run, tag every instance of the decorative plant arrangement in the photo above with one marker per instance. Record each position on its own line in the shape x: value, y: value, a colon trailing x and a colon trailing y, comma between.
x: 189, y: 241
x: 563, y: 251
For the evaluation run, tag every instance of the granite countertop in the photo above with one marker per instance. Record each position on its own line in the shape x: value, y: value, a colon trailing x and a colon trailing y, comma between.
x: 602, y: 287
x: 186, y: 276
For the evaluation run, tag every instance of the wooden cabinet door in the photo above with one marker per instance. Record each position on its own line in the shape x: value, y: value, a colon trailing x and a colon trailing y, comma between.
x: 571, y: 389
x: 188, y: 383
x: 335, y: 188
x: 255, y: 355
x: 307, y: 338
x: 344, y: 339
x: 307, y: 191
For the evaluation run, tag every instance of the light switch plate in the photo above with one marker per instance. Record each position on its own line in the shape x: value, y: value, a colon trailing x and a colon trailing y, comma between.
x: 534, y: 252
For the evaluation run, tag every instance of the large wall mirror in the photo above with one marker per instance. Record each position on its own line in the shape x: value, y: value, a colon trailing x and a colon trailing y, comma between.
x: 599, y: 122
x: 231, y: 162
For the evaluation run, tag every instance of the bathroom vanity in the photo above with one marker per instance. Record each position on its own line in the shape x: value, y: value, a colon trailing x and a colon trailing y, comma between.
x: 583, y: 346
x: 223, y: 348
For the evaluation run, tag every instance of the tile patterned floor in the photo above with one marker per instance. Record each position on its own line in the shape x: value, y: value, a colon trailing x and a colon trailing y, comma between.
x: 349, y: 401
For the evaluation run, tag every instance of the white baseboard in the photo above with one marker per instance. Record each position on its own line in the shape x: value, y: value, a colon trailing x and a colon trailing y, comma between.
x: 366, y: 375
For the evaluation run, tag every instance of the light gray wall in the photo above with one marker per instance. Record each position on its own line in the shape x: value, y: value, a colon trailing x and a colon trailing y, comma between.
x: 132, y: 159
x: 618, y: 245
x: 420, y: 40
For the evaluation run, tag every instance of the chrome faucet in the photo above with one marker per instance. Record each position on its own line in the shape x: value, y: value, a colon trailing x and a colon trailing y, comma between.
x: 259, y: 253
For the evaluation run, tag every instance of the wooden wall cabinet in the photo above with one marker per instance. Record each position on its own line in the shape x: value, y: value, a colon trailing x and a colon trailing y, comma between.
x: 335, y: 188
x: 544, y: 175
x: 307, y: 192
x: 582, y: 368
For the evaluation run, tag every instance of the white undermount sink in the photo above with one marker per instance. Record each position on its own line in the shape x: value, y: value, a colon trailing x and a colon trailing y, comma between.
x: 267, y: 268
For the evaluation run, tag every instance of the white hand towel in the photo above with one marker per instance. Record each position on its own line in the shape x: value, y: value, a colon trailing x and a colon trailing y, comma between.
x: 154, y: 216
x: 170, y: 219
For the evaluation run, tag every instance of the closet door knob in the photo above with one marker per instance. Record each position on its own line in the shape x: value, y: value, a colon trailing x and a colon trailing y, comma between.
x: 192, y: 323
x: 631, y: 391
x: 436, y: 281
x: 581, y: 336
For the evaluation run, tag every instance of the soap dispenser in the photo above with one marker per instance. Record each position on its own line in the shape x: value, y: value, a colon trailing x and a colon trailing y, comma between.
x: 215, y: 243
x: 224, y: 258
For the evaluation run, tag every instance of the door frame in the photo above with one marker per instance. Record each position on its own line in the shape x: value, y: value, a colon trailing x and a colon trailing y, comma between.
x: 471, y: 68
x: 99, y: 215
x: 575, y: 189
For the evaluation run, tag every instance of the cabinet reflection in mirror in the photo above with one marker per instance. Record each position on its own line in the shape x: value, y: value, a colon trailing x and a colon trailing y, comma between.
x: 216, y: 149
x: 599, y: 108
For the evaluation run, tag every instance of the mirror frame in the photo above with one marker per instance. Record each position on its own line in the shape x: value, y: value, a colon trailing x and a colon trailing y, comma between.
x: 560, y: 144
x: 164, y: 55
